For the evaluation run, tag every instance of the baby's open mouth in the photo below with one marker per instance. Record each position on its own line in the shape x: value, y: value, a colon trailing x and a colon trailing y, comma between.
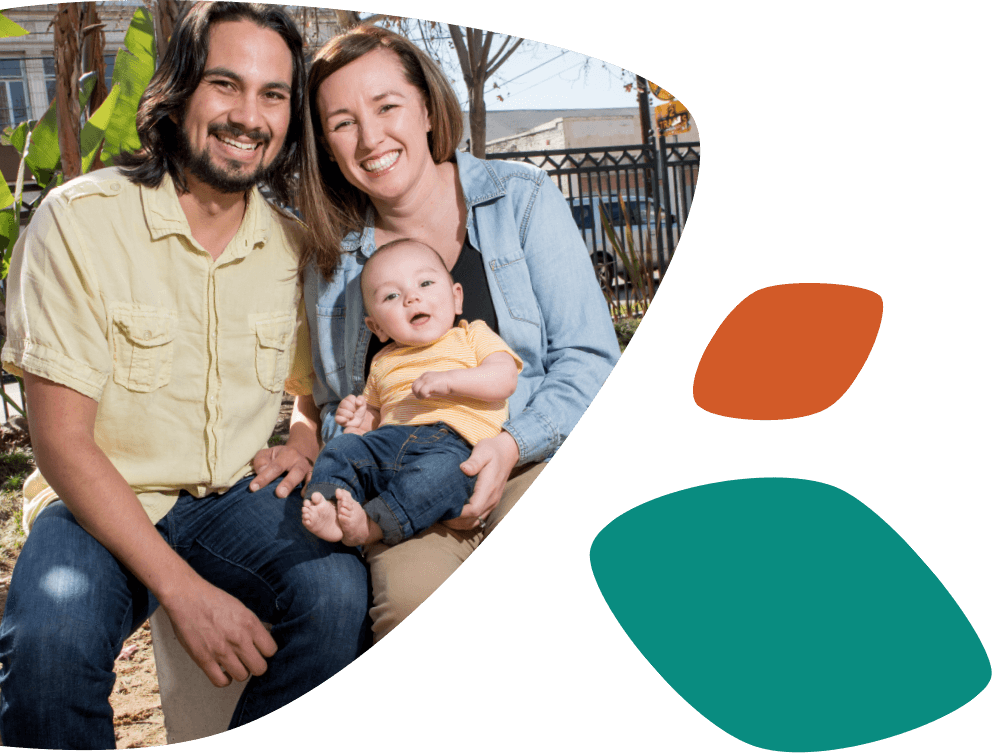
x: 418, y: 318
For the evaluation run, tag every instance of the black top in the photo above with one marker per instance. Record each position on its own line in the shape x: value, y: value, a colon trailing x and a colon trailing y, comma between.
x: 470, y: 272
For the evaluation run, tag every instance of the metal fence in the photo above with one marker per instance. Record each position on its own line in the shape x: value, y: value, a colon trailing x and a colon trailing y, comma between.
x: 680, y: 163
x: 644, y: 216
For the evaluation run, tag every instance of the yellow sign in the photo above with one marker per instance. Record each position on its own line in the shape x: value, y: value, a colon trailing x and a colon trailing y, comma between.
x: 672, y: 118
x: 659, y: 92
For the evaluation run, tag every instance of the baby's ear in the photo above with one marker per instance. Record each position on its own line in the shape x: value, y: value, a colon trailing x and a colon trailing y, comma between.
x: 459, y: 295
x: 375, y: 329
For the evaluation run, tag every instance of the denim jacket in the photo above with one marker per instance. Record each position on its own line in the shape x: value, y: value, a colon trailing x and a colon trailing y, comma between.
x: 549, y: 306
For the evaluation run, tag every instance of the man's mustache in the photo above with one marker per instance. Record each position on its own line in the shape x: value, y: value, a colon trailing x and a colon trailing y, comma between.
x: 234, y: 132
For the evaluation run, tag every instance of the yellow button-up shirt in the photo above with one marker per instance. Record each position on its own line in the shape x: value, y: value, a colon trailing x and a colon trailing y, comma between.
x: 110, y: 295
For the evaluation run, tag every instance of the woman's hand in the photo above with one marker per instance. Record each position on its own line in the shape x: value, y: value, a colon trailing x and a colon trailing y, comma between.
x: 491, y: 462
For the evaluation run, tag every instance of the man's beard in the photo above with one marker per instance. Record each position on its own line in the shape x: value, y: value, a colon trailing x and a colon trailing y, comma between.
x: 201, y: 166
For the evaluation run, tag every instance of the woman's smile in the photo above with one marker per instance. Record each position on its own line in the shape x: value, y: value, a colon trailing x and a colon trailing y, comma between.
x: 380, y: 165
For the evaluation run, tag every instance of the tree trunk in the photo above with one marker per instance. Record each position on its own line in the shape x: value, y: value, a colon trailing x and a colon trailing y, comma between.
x: 477, y: 118
x: 347, y: 19
x: 165, y: 13
x: 94, y: 43
x: 67, y: 86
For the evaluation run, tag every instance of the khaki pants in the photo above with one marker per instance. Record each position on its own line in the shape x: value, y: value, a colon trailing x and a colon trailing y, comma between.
x: 407, y: 573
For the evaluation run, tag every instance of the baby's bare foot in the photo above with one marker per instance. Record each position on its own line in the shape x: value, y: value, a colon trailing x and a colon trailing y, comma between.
x: 321, y: 519
x: 356, y: 527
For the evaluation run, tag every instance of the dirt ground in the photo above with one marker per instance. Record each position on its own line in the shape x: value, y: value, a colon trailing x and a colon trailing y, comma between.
x: 138, y: 720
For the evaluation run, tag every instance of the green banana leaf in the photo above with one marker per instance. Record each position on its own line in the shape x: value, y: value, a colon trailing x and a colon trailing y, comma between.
x: 133, y: 69
x: 9, y: 29
x: 94, y: 130
x: 44, y: 156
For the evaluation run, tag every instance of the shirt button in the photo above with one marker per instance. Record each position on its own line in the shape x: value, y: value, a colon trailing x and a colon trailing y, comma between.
x: 115, y: 186
x: 213, y: 399
x: 148, y: 334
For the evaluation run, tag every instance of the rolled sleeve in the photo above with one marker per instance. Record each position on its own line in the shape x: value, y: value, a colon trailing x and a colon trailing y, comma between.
x: 300, y: 379
x: 56, y: 319
x: 581, y: 343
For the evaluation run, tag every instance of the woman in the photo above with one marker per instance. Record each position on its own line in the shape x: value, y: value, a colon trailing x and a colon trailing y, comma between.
x: 380, y: 139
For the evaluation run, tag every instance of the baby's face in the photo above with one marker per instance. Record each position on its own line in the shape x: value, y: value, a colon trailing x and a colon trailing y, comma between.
x: 409, y: 295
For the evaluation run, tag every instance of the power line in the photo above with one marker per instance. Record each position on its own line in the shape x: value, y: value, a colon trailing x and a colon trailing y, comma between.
x: 521, y: 75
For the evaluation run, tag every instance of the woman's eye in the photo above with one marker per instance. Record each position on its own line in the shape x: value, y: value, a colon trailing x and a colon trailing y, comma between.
x: 341, y: 124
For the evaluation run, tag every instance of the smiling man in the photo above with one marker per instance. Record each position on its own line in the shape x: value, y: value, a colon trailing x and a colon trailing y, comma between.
x: 153, y: 310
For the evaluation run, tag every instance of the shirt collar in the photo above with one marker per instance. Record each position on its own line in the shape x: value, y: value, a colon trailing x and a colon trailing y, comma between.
x: 480, y: 183
x: 165, y: 216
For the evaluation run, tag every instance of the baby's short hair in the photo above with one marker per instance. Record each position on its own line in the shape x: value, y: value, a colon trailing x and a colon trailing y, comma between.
x: 393, y: 245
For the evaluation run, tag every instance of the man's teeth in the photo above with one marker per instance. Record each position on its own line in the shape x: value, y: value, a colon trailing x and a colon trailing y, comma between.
x: 382, y: 163
x: 239, y: 145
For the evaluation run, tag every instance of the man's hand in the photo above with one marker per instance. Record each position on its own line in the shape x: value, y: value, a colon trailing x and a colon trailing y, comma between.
x: 432, y: 384
x: 491, y: 462
x: 225, y: 638
x: 272, y: 462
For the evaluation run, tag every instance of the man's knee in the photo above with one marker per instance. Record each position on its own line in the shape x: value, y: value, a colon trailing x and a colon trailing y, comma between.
x: 334, y: 590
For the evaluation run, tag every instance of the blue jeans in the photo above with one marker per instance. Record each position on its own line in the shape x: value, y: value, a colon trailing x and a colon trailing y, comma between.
x: 71, y: 606
x: 408, y: 474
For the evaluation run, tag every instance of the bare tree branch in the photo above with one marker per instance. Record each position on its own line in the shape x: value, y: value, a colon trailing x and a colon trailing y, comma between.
x: 459, y: 42
x: 495, y: 66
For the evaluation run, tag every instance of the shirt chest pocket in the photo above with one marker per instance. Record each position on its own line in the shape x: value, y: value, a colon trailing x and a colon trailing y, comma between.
x: 143, y: 347
x: 273, y: 350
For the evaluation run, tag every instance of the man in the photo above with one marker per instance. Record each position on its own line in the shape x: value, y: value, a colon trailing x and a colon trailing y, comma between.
x: 153, y: 312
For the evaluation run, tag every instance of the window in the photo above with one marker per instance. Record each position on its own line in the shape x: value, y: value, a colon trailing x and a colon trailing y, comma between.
x: 13, y: 92
x: 49, y: 79
x: 108, y: 75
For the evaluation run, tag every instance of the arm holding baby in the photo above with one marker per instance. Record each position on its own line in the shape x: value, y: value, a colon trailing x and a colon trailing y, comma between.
x: 493, y: 379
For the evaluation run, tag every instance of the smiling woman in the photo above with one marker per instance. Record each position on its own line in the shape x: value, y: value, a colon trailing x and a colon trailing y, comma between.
x: 380, y: 165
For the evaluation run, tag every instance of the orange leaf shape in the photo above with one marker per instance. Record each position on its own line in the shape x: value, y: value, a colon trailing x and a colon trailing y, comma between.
x: 788, y: 351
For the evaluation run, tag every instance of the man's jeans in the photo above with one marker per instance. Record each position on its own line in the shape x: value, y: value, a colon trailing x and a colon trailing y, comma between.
x: 71, y: 606
x: 408, y: 474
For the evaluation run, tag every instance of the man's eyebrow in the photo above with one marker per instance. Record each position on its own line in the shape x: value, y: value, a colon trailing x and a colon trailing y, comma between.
x: 228, y: 73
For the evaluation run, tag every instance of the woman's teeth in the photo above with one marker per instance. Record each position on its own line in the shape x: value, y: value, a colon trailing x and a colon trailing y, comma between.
x: 382, y: 163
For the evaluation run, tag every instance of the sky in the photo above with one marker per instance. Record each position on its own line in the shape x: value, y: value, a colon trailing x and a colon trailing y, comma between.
x: 540, y: 76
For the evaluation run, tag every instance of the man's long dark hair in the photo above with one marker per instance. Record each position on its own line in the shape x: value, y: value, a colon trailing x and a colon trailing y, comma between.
x: 177, y: 78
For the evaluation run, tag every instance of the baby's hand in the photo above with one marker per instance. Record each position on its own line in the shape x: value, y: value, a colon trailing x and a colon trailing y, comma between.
x: 351, y: 412
x: 431, y: 383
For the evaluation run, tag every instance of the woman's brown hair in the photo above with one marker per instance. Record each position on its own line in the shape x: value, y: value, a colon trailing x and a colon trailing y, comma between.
x: 331, y: 206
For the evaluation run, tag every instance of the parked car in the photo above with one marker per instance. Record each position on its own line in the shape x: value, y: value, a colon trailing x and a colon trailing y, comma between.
x: 623, y: 212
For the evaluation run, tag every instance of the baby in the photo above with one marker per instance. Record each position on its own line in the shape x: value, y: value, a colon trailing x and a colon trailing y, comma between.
x: 431, y: 395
